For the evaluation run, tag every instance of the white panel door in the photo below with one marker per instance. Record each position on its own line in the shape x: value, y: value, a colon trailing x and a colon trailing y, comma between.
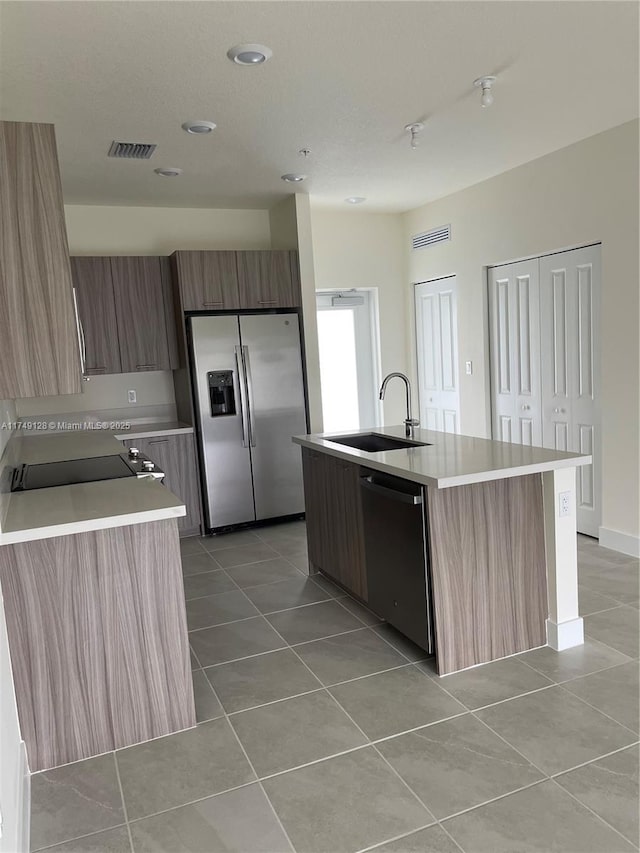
x: 437, y: 345
x: 514, y: 312
x: 570, y: 313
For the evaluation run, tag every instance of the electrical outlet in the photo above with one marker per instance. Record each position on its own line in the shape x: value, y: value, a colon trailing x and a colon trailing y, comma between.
x: 132, y: 396
x: 564, y: 504
x: 468, y: 366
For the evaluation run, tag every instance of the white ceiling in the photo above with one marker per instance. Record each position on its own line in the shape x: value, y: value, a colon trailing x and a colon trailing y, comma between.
x: 344, y: 80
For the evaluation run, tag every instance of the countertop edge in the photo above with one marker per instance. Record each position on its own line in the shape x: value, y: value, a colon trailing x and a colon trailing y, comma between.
x: 151, y: 433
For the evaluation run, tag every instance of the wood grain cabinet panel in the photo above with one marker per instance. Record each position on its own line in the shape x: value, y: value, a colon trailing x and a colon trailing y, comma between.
x: 207, y: 281
x: 333, y: 509
x: 267, y: 279
x: 176, y: 456
x: 39, y: 352
x: 98, y: 640
x: 93, y: 281
x: 147, y: 339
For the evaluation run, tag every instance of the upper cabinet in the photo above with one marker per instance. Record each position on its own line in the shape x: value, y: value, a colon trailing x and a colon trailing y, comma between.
x: 146, y: 329
x: 126, y: 313
x: 266, y: 279
x: 208, y: 281
x: 93, y: 284
x: 39, y: 343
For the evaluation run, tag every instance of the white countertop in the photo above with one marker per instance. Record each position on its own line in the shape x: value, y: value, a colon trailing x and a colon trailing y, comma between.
x: 449, y: 460
x: 64, y: 510
x: 151, y: 430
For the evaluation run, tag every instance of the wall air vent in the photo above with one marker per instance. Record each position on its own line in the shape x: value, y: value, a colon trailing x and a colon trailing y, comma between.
x: 131, y: 150
x: 430, y: 238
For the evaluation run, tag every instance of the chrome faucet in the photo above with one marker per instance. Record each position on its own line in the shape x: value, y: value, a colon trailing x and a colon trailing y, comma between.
x: 410, y: 422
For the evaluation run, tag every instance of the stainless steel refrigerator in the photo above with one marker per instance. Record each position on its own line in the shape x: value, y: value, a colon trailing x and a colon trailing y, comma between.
x: 249, y: 398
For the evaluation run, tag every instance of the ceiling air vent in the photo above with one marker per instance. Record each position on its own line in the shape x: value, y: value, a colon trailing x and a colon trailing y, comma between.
x: 131, y: 150
x: 429, y: 238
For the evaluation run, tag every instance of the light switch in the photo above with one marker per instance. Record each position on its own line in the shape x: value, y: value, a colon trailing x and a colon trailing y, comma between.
x: 132, y: 396
x: 468, y: 367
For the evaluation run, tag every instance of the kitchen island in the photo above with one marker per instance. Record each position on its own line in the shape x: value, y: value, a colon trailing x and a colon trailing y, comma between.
x: 498, y: 528
x: 92, y: 586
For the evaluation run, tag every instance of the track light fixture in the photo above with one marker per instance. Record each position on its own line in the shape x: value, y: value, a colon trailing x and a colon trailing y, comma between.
x: 487, y: 95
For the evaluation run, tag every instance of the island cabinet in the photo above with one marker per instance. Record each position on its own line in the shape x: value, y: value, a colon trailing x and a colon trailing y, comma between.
x: 334, y: 520
x: 175, y: 455
x: 39, y: 342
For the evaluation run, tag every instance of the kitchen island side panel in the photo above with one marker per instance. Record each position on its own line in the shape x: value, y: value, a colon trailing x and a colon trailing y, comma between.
x: 98, y: 640
x: 488, y: 570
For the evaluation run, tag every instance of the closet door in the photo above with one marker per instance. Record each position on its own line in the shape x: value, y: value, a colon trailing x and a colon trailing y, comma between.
x: 570, y: 314
x: 514, y: 310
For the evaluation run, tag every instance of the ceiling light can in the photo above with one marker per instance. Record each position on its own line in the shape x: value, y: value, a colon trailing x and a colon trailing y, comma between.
x: 198, y: 126
x: 355, y: 199
x: 292, y: 178
x: 249, y: 54
x: 169, y: 172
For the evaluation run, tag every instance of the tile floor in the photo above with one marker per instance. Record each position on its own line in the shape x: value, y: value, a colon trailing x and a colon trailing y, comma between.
x: 321, y: 729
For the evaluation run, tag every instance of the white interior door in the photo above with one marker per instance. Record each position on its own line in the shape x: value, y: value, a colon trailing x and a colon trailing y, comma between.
x: 514, y: 312
x: 570, y: 314
x: 437, y: 345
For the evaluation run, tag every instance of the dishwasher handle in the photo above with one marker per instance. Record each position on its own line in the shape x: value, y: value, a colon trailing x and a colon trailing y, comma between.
x: 391, y: 494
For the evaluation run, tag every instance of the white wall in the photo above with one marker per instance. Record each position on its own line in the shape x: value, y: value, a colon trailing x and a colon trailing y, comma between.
x: 359, y: 249
x: 585, y: 193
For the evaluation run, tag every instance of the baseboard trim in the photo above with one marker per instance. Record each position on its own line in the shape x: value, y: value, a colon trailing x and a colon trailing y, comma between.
x: 565, y: 635
x: 625, y: 543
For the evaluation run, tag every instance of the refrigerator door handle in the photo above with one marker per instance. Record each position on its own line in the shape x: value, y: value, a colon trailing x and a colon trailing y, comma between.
x: 242, y: 385
x: 249, y: 392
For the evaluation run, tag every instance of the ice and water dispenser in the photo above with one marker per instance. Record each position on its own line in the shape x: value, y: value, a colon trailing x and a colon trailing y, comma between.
x: 222, y: 397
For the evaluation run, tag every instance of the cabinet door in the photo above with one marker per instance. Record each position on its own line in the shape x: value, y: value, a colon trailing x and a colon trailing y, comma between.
x: 139, y: 290
x: 207, y: 280
x: 266, y: 279
x: 39, y: 353
x: 93, y: 282
x: 175, y: 455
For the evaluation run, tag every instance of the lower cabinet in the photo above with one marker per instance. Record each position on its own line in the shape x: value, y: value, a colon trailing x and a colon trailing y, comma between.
x: 176, y: 456
x: 334, y: 520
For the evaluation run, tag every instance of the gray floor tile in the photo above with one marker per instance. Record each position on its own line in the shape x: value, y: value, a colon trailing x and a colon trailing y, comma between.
x: 344, y: 804
x: 207, y: 583
x: 109, y: 841
x: 194, y: 564
x: 313, y: 622
x: 300, y: 561
x: 457, y: 764
x: 613, y: 691
x: 75, y: 800
x: 395, y: 701
x: 286, y: 530
x: 236, y: 640
x: 493, y: 682
x: 347, y: 656
x: 290, y: 545
x: 191, y: 545
x: 572, y: 663
x: 179, y: 768
x: 294, y: 732
x: 555, y: 730
x: 609, y: 787
x: 616, y: 581
x: 592, y: 602
x: 195, y: 664
x: 602, y: 558
x: 267, y: 571
x: 617, y: 628
x: 218, y: 609
x: 366, y: 616
x: 431, y: 840
x: 207, y: 705
x: 401, y: 643
x: 286, y: 594
x: 244, y: 554
x: 258, y: 680
x: 239, y: 821
x: 327, y: 584
x: 236, y: 539
x: 539, y: 820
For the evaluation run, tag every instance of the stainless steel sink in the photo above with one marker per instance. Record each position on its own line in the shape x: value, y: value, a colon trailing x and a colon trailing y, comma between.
x: 371, y: 442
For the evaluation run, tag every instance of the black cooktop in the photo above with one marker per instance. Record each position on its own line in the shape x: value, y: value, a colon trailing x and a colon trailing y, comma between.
x: 47, y: 474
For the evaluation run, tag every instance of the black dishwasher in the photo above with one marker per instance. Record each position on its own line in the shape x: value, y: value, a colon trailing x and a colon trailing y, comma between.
x: 395, y: 532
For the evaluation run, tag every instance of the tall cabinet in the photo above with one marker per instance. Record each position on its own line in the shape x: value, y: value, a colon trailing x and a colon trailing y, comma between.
x: 545, y: 356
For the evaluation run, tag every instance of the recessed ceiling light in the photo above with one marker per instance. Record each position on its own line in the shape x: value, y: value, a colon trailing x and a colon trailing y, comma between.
x: 290, y: 178
x: 169, y: 172
x: 198, y: 126
x: 249, y: 54
x: 355, y: 199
